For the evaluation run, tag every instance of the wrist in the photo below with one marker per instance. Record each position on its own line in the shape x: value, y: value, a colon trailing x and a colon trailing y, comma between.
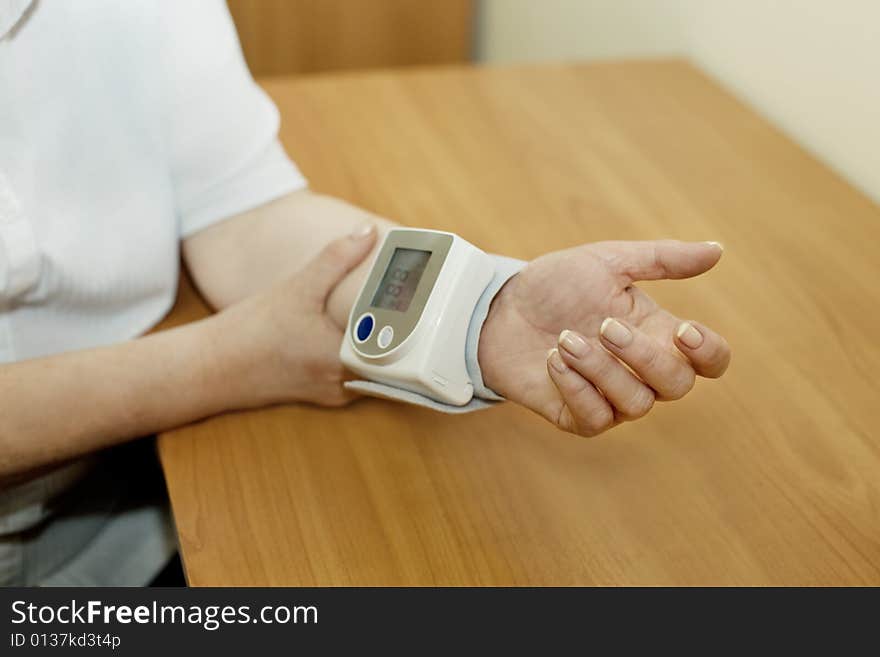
x: 228, y: 366
x: 487, y: 350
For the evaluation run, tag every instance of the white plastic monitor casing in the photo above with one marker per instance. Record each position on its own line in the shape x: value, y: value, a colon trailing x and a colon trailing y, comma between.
x: 431, y: 359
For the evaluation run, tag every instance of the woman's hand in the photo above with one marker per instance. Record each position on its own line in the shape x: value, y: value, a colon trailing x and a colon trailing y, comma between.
x: 282, y: 345
x: 571, y: 338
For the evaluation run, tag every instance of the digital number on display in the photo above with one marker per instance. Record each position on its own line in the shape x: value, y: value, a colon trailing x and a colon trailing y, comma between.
x: 400, y: 280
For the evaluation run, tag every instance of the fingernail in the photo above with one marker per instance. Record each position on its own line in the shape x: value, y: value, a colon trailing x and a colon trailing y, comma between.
x: 689, y: 336
x: 363, y: 231
x: 718, y: 244
x: 616, y: 333
x: 556, y: 361
x: 573, y: 343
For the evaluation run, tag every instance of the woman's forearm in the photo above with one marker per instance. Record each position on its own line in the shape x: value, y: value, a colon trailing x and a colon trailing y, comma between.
x: 248, y: 253
x: 277, y: 346
x: 60, y: 407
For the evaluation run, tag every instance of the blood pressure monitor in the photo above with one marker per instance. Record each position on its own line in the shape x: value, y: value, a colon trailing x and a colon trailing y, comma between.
x: 408, y: 327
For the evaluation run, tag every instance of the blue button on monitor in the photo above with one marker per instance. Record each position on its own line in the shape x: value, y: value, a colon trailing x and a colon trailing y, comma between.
x: 364, y: 327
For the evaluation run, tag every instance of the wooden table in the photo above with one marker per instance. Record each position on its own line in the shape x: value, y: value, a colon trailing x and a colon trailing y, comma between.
x: 769, y: 476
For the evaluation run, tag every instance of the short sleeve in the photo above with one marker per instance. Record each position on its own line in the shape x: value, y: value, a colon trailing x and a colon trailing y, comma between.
x: 223, y: 148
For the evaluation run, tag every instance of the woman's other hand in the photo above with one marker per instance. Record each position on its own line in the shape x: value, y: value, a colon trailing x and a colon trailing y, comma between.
x: 282, y: 345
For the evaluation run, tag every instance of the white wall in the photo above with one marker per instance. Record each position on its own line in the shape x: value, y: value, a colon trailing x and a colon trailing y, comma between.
x: 536, y: 30
x: 810, y: 66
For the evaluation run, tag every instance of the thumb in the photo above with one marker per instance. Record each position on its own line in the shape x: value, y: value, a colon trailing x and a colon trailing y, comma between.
x: 654, y: 260
x: 336, y: 260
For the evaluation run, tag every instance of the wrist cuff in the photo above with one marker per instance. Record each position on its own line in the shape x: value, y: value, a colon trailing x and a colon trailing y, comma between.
x: 505, y: 269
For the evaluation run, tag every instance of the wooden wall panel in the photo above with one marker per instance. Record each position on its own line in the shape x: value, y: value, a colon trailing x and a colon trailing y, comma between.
x: 280, y: 37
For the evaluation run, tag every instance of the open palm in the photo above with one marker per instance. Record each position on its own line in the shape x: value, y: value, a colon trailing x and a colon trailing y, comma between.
x: 573, y: 339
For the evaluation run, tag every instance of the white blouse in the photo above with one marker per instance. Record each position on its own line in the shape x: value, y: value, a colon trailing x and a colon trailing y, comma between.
x: 124, y: 127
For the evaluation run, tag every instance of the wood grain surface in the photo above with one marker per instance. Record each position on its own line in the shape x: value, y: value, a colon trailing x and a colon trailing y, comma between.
x: 768, y: 476
x: 281, y: 37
